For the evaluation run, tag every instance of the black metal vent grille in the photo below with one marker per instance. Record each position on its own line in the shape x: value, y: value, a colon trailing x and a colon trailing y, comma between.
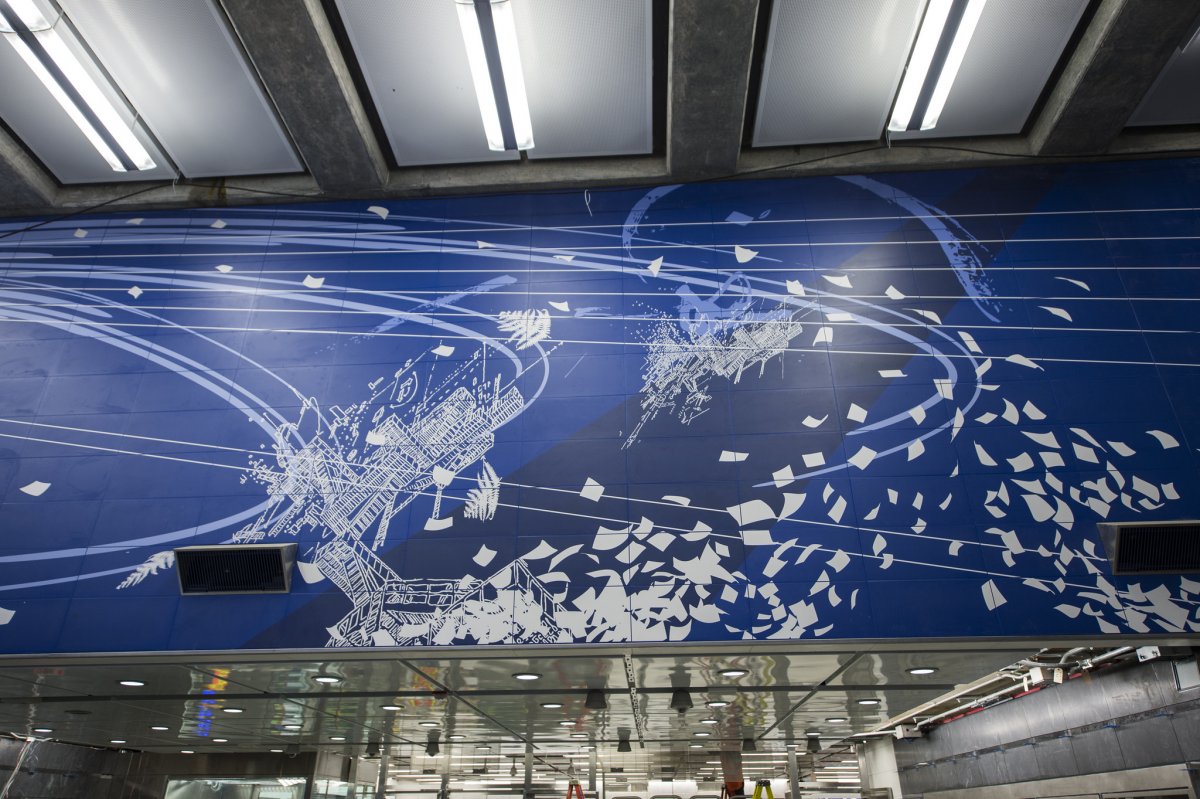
x: 234, y: 569
x: 1153, y: 548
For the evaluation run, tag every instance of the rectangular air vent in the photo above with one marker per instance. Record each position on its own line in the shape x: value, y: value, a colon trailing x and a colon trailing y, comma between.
x: 236, y: 569
x: 1152, y: 547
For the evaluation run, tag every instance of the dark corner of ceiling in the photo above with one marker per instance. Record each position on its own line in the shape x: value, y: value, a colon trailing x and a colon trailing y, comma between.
x: 758, y: 59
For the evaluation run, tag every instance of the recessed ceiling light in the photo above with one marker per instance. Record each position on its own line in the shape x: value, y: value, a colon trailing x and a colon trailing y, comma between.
x: 131, y: 683
x: 43, y: 729
x: 484, y: 748
x: 337, y: 737
x: 700, y: 734
x: 390, y: 707
x: 220, y: 740
x: 327, y: 679
x: 456, y: 737
x: 695, y: 746
x: 187, y: 752
x: 277, y: 751
x: 427, y: 723
x: 836, y: 719
x: 292, y: 726
x: 117, y: 741
x: 566, y: 724
x: 717, y: 703
x: 159, y: 728
x: 733, y: 673
x: 920, y: 671
x: 551, y: 705
x: 232, y: 710
x: 579, y: 735
x: 868, y: 701
x: 813, y: 734
x: 527, y: 676
x: 709, y: 721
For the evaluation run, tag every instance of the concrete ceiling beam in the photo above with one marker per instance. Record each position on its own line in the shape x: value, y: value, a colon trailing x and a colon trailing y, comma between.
x: 1116, y: 62
x: 23, y: 181
x: 293, y: 47
x: 711, y: 48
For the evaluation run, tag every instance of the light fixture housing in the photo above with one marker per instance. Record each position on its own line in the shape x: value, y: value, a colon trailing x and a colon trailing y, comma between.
x: 131, y: 683
x: 748, y: 744
x: 34, y: 33
x: 733, y: 673
x: 327, y: 679
x: 867, y: 702
x: 552, y: 705
x: 596, y: 700
x: 527, y: 676
x: 717, y: 703
x: 814, y: 745
x: 490, y: 35
x: 390, y: 707
x: 681, y: 700
x: 942, y: 41
x: 921, y: 671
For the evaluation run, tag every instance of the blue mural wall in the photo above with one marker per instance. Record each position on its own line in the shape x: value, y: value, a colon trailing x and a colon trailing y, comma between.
x: 845, y: 407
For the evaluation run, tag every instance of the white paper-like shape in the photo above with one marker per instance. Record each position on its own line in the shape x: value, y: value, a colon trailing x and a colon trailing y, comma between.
x: 955, y: 546
x: 1047, y: 439
x: 655, y: 265
x: 813, y: 423
x: 135, y: 292
x: 838, y: 280
x: 970, y: 342
x: 893, y: 496
x: 483, y: 245
x: 891, y: 373
x: 218, y: 224
x: 1021, y: 360
x: 1084, y: 453
x: 1079, y: 283
x: 917, y: 413
x: 795, y: 287
x: 814, y: 459
x: 791, y: 504
x: 6, y: 615
x: 309, y: 572
x: 1167, y: 440
x: 839, y: 561
x: 757, y: 538
x: 862, y: 459
x: 224, y: 269
x: 729, y: 456
x: 434, y: 525
x: 565, y: 258
x: 743, y: 254
x: 824, y: 336
x: 564, y: 306
x: 839, y: 316
x: 1061, y: 313
x: 380, y: 212
x: 1039, y: 508
x: 678, y: 500
x: 838, y: 509
x: 443, y: 350
x: 137, y: 220
x: 983, y: 455
x: 1122, y: 449
x: 750, y: 512
x: 930, y: 315
x: 992, y: 596
x: 894, y: 293
x: 591, y: 490
x: 607, y: 539
x: 35, y: 489
x: 1033, y: 412
x: 870, y: 517
x: 856, y: 413
x: 375, y: 438
x: 1021, y: 463
x: 916, y: 449
x: 738, y: 218
x: 783, y: 477
x: 313, y: 282
x: 80, y: 233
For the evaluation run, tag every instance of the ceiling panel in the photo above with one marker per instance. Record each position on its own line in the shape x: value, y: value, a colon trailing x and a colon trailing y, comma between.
x: 831, y: 68
x: 1174, y: 98
x: 178, y: 63
x: 1015, y: 48
x: 589, y: 76
x: 587, y: 73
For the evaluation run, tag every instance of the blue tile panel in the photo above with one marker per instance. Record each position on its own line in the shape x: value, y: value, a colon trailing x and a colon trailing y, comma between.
x: 844, y: 407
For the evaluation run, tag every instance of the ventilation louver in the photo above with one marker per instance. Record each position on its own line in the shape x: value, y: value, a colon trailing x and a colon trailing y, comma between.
x: 236, y: 569
x: 1152, y: 547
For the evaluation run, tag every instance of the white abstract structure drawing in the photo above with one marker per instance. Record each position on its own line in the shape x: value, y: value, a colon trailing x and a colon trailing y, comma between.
x: 372, y: 459
x: 526, y: 328
x: 720, y: 336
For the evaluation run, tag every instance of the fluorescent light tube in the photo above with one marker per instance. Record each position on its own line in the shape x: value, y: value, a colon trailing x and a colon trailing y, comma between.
x: 490, y: 35
x: 929, y: 44
x: 97, y: 118
x: 958, y: 49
